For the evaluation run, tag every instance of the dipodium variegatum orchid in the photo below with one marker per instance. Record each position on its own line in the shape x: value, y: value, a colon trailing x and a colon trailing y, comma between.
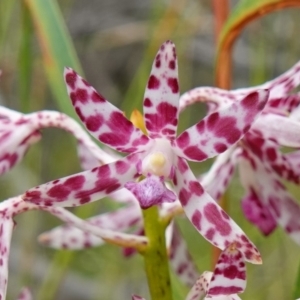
x: 158, y: 157
x: 262, y: 164
x: 154, y: 181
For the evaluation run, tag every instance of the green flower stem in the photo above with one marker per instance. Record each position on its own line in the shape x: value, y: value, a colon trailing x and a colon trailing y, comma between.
x: 155, y: 256
x: 297, y: 285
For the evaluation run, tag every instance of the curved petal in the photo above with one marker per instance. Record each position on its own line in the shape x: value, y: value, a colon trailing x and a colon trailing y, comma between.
x: 46, y: 119
x: 288, y: 103
x: 162, y: 94
x: 279, y: 88
x: 15, y: 138
x: 229, y: 275
x: 215, y: 98
x: 6, y: 227
x: 114, y: 237
x: 19, y: 131
x: 84, y: 187
x: 283, y: 130
x: 7, y: 113
x: 218, y: 131
x: 103, y: 120
x: 70, y: 237
x: 207, y: 217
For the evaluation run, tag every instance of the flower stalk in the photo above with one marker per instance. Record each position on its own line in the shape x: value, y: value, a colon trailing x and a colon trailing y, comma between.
x: 155, y: 256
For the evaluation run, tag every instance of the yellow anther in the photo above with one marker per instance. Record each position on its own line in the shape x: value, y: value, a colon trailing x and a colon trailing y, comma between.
x: 232, y: 247
x: 157, y: 160
x: 137, y: 120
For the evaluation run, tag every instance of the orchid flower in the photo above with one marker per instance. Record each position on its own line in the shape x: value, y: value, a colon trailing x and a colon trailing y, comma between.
x: 125, y: 219
x: 160, y: 156
x: 227, y: 280
x: 258, y: 153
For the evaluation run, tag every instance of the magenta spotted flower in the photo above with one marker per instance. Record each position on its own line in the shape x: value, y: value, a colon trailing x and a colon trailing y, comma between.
x: 158, y: 157
x: 263, y: 167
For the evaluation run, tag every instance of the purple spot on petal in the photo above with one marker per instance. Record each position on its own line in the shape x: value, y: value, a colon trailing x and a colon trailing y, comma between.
x: 196, y: 219
x: 153, y: 83
x: 147, y: 102
x: 183, y: 140
x: 59, y: 192
x: 214, y: 216
x: 220, y: 147
x: 172, y: 64
x: 193, y: 152
x: 75, y: 183
x: 71, y: 79
x: 81, y: 95
x: 97, y: 98
x: 93, y: 123
x: 173, y: 84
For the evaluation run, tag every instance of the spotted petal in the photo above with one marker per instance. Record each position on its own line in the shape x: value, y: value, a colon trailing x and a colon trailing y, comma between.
x: 6, y: 227
x: 84, y: 187
x: 70, y: 237
x: 218, y: 131
x: 15, y: 139
x: 215, y: 98
x: 258, y: 213
x: 104, y: 121
x: 229, y: 274
x: 207, y: 217
x: 201, y: 286
x: 284, y: 209
x: 279, y: 97
x: 283, y: 130
x: 285, y: 104
x: 162, y: 94
x: 19, y: 131
x: 269, y: 154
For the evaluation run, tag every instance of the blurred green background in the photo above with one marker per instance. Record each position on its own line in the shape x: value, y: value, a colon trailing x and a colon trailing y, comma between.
x: 113, y: 44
